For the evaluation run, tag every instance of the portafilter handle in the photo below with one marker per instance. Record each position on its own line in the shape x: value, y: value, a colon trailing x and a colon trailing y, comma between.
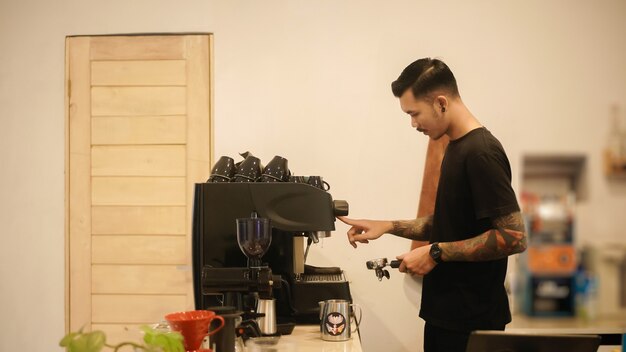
x: 378, y: 265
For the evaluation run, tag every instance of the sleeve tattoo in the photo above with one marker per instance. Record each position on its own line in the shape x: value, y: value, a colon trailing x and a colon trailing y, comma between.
x: 507, y: 237
x: 417, y: 229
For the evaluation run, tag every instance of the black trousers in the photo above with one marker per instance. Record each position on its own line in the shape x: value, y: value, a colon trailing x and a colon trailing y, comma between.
x: 438, y: 339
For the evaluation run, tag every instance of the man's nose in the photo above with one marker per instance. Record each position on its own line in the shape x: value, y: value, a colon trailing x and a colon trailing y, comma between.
x: 414, y: 123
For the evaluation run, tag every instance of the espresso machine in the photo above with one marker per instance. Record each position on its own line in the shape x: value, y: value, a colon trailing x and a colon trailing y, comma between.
x: 299, y: 213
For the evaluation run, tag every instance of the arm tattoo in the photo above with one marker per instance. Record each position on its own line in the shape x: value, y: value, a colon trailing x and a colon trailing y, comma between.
x: 417, y: 229
x: 507, y: 237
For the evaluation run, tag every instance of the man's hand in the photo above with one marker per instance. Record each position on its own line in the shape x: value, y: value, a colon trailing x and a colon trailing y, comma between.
x: 364, y: 230
x: 417, y: 261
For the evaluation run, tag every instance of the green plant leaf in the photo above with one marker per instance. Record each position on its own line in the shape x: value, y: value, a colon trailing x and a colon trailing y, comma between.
x: 96, y: 340
x: 67, y: 339
x: 166, y: 341
x: 84, y: 342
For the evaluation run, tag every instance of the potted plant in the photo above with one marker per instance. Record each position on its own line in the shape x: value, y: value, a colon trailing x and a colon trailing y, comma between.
x: 94, y: 341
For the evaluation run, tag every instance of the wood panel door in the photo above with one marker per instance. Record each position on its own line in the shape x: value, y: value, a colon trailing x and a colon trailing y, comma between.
x: 138, y: 138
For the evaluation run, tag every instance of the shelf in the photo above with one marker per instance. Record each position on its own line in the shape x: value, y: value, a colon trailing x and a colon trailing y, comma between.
x: 545, y: 174
x: 614, y: 167
x: 554, y: 166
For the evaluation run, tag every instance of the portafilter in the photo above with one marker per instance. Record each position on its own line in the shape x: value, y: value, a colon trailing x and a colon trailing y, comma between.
x: 378, y: 265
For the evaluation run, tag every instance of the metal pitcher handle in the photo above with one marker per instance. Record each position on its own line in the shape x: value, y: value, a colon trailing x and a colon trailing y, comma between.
x: 357, y: 322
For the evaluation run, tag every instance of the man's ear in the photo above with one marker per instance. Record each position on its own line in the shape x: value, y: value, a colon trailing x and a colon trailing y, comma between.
x: 441, y: 103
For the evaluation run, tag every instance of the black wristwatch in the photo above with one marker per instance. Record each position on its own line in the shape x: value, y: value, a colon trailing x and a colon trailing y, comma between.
x: 435, y: 253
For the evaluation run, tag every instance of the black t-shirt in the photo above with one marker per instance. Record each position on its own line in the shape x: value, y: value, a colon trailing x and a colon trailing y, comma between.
x: 474, y: 187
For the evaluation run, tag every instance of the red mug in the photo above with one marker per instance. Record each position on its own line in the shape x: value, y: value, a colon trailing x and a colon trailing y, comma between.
x: 194, y: 326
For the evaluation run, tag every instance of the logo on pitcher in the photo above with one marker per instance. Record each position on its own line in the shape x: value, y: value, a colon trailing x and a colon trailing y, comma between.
x: 335, y: 324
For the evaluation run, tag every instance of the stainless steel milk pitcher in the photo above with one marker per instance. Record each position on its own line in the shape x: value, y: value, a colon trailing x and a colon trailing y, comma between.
x: 336, y: 319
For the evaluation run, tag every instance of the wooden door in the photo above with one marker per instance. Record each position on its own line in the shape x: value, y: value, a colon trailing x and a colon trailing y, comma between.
x: 430, y: 180
x: 138, y: 138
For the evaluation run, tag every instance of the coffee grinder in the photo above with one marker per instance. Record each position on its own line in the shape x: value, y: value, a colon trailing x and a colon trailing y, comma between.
x: 249, y: 288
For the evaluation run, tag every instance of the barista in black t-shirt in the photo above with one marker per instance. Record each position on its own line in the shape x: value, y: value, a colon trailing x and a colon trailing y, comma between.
x: 476, y: 224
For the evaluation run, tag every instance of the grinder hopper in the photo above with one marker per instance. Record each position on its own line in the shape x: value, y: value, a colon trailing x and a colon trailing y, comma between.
x: 254, y: 236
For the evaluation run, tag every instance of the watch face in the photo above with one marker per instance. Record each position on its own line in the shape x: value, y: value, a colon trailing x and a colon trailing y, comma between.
x: 435, y: 252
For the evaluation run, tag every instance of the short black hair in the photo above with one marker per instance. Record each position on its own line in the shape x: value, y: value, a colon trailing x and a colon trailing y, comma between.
x: 424, y: 76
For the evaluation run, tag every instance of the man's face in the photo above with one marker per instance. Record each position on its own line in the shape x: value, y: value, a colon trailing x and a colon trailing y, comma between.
x: 424, y: 116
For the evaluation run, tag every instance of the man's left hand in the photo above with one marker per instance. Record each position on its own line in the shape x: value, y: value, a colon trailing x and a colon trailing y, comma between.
x: 417, y: 261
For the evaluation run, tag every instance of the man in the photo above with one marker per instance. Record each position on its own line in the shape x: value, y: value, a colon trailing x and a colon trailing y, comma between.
x: 476, y: 223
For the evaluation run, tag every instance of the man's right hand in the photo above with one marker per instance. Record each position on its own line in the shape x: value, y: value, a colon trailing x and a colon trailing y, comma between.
x: 364, y: 230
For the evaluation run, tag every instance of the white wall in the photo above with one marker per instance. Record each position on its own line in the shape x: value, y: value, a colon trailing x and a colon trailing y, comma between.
x: 309, y: 80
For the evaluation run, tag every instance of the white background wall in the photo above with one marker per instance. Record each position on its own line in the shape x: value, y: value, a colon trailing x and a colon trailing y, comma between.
x: 309, y: 80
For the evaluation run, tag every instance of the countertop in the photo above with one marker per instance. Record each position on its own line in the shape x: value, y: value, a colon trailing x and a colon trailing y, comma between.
x: 524, y: 323
x: 609, y: 328
x: 306, y: 338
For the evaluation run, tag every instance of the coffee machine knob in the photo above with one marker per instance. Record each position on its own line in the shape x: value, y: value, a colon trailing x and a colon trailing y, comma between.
x: 340, y: 207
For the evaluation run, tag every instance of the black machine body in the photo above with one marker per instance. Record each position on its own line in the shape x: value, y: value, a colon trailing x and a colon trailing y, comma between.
x: 221, y: 275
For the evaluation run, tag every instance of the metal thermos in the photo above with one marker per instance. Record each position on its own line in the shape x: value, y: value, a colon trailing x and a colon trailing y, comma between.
x: 267, y: 323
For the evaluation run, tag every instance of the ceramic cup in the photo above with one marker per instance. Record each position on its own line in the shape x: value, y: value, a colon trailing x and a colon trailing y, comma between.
x: 223, y: 170
x: 248, y: 170
x: 317, y: 181
x: 194, y: 326
x: 299, y: 179
x: 276, y: 170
